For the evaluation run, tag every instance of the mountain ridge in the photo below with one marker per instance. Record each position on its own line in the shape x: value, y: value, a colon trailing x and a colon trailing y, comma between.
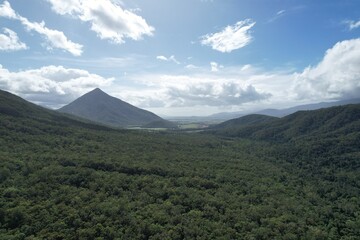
x: 245, y: 121
x: 284, y: 111
x: 100, y: 107
x: 301, y: 124
x: 14, y: 106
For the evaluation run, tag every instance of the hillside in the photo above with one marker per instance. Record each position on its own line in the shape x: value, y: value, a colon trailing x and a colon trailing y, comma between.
x: 26, y: 112
x: 311, y: 140
x: 161, y: 124
x: 307, y: 107
x: 65, y: 179
x: 15, y: 106
x: 327, y: 121
x: 245, y: 121
x: 284, y: 111
x: 99, y: 107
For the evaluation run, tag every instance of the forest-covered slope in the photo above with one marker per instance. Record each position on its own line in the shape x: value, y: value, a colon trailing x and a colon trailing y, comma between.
x: 26, y: 112
x: 302, y: 124
x: 161, y: 124
x: 64, y: 179
x: 244, y: 121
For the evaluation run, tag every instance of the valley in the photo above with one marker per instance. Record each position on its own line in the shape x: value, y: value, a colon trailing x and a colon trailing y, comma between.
x: 179, y: 120
x: 61, y: 178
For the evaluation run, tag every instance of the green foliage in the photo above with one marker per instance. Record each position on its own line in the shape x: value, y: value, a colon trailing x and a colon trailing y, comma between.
x: 63, y: 179
x: 334, y: 121
x: 245, y: 121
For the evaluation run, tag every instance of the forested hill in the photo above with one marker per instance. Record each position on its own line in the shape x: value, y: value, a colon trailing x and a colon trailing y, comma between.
x: 100, y: 107
x: 13, y: 105
x: 341, y: 120
x: 23, y: 111
x: 65, y: 179
x: 244, y: 121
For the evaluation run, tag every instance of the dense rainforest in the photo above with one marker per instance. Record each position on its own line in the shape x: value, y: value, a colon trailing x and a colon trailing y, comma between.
x: 296, y: 177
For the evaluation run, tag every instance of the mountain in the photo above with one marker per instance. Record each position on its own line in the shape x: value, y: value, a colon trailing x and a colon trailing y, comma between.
x: 315, y: 106
x: 15, y: 106
x: 100, y: 107
x: 342, y: 120
x: 65, y: 179
x: 283, y: 112
x: 245, y: 121
x: 12, y: 106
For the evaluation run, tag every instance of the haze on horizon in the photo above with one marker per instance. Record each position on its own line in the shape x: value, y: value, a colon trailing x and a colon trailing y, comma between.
x: 192, y: 57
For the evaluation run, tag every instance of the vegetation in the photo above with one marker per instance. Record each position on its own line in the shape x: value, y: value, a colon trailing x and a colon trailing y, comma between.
x: 65, y: 179
x: 245, y: 121
x: 162, y: 124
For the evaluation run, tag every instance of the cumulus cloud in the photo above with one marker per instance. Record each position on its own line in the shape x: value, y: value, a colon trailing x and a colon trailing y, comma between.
x: 9, y: 41
x: 209, y: 94
x: 194, y: 90
x: 108, y: 19
x: 7, y: 11
x: 168, y: 59
x: 336, y: 76
x: 54, y: 38
x: 231, y: 37
x: 51, y: 86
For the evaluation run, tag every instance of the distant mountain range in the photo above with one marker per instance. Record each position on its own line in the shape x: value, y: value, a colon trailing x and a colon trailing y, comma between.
x: 283, y: 112
x: 100, y: 107
x: 307, y: 126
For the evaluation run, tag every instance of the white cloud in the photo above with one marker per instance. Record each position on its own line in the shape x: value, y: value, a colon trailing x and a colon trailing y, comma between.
x: 286, y: 12
x: 9, y: 41
x: 231, y: 38
x: 278, y: 15
x: 352, y: 24
x: 215, y: 66
x: 168, y: 59
x: 51, y: 86
x: 280, y: 12
x: 336, y: 76
x: 108, y: 19
x: 54, y: 38
x: 214, y: 94
x: 163, y: 58
x: 246, y: 67
x: 191, y: 66
x: 193, y: 90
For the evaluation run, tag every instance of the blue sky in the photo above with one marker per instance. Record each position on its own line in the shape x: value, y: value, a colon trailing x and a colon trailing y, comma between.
x: 189, y: 57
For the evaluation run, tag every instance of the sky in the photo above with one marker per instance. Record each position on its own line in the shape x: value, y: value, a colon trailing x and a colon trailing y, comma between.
x: 182, y: 57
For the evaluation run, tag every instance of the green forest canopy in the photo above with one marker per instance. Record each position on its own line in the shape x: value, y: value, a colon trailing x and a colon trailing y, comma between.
x: 65, y: 179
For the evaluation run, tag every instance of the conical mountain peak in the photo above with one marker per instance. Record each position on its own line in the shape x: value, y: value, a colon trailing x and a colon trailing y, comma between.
x: 97, y: 91
x: 98, y: 106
